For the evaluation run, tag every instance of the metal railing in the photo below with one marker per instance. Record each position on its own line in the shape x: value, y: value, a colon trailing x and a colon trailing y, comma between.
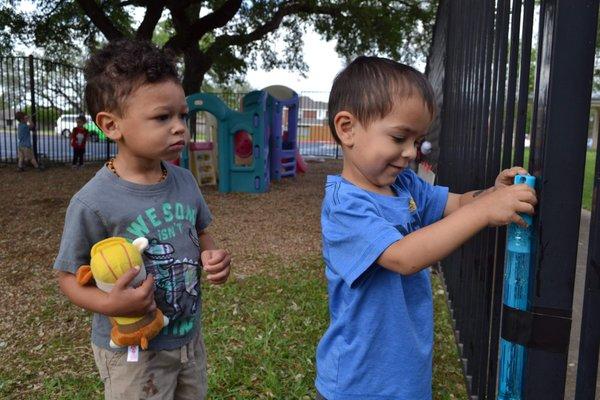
x: 45, y: 90
x: 480, y: 66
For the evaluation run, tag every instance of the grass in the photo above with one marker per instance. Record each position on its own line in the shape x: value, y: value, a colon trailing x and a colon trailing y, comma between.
x: 261, y: 328
x: 260, y: 332
x: 588, y: 181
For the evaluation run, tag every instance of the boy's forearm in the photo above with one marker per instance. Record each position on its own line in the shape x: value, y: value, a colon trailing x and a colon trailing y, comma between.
x: 471, y: 196
x: 456, y: 201
x: 88, y: 297
x: 206, y: 241
x: 425, y: 246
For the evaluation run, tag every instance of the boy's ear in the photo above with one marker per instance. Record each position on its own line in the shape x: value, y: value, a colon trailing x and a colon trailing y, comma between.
x: 345, y: 123
x: 108, y: 122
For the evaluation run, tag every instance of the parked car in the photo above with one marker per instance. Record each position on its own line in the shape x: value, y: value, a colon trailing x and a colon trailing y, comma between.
x: 66, y: 122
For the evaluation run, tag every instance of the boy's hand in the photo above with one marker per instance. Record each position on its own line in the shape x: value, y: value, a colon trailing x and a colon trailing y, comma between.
x: 506, y: 177
x: 125, y: 301
x: 216, y: 264
x: 502, y: 205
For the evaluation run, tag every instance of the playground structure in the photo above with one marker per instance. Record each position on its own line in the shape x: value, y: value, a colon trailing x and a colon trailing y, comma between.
x: 251, y: 145
x: 242, y: 143
x: 283, y: 149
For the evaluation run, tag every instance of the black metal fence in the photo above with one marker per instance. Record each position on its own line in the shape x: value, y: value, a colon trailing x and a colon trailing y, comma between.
x: 480, y: 66
x: 52, y: 94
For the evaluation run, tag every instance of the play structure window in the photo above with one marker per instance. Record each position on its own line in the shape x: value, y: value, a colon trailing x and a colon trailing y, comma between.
x: 242, y: 148
x: 287, y: 142
x: 203, y: 127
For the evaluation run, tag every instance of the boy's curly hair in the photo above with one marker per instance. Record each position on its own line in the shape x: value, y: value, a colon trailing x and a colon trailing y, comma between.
x: 370, y: 87
x: 122, y: 66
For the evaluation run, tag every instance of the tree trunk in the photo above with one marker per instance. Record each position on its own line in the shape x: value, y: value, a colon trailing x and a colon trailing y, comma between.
x: 195, y: 66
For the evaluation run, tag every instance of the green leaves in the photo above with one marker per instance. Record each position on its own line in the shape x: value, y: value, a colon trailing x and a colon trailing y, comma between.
x: 227, y: 37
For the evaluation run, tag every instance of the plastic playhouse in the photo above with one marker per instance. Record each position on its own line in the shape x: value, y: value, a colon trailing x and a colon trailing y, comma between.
x: 242, y: 143
x: 283, y: 150
x: 252, y: 145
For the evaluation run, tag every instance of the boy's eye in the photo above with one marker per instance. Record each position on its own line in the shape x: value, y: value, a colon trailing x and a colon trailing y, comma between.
x: 162, y: 117
x: 398, y: 139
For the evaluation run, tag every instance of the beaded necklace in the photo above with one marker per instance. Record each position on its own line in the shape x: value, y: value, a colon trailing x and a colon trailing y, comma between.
x: 111, y: 167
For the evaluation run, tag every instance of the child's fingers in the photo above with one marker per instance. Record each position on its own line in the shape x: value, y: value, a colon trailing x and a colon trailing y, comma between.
x: 517, y: 171
x: 213, y: 268
x: 217, y: 256
x: 218, y: 277
x: 526, y: 208
x: 212, y: 256
x: 519, y: 221
x: 148, y: 284
x: 125, y: 279
x: 205, y: 257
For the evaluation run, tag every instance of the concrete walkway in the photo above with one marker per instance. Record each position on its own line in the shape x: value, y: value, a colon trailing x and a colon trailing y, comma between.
x: 584, y: 231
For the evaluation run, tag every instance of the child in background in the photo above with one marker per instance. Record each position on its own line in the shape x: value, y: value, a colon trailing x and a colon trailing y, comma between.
x: 134, y: 94
x: 79, y: 136
x: 25, y: 151
x: 382, y: 227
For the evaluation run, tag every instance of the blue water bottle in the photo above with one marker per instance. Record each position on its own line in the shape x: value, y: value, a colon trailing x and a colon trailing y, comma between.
x: 516, y: 295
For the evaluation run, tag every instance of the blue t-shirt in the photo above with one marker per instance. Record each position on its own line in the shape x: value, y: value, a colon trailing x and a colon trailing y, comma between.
x: 380, y: 338
x: 23, y: 135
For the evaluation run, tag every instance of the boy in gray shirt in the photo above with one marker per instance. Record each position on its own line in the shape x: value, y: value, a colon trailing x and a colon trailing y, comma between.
x: 134, y: 95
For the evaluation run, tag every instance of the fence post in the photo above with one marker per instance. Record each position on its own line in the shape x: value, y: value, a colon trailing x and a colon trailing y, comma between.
x: 563, y: 91
x: 33, y: 111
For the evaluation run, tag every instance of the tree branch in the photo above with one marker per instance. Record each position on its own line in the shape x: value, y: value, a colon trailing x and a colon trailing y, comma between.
x: 98, y: 18
x: 218, y: 18
x: 224, y: 41
x: 186, y: 32
x: 153, y: 12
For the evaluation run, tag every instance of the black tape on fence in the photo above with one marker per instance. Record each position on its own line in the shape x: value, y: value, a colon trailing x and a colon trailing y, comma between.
x: 544, y: 329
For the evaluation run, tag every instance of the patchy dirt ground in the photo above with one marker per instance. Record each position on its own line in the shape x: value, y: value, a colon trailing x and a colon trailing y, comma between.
x: 284, y: 222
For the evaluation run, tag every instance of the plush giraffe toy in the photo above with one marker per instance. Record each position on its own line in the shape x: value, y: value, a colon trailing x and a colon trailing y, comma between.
x: 110, y: 259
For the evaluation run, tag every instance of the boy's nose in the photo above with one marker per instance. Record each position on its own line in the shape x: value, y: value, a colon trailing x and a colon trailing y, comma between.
x: 410, y: 152
x: 179, y: 128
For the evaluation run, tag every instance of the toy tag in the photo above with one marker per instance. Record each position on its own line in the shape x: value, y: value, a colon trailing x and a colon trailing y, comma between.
x: 133, y: 353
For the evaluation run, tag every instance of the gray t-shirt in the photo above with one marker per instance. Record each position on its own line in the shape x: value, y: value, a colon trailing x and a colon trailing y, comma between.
x: 169, y: 214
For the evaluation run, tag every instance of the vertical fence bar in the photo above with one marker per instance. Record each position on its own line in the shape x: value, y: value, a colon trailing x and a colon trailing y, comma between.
x: 564, y: 83
x: 494, y: 258
x: 589, y: 342
x: 478, y: 361
x: 33, y: 111
x: 525, y: 63
x: 4, y: 150
x: 509, y: 115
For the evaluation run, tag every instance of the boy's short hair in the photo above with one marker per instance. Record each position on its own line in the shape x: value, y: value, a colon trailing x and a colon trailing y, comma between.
x: 115, y: 71
x: 19, y: 115
x: 80, y: 117
x: 369, y: 87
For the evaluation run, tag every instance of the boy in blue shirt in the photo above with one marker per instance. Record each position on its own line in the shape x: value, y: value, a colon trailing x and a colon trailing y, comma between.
x: 382, y: 227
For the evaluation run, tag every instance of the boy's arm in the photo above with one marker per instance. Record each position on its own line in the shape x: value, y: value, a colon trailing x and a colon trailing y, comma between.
x: 425, y: 246
x: 214, y: 261
x: 122, y: 301
x: 505, y: 178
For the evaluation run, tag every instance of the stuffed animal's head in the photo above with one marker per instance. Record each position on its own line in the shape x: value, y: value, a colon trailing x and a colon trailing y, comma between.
x: 112, y: 257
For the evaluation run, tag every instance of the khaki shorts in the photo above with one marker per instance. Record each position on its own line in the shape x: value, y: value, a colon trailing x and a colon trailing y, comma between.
x: 166, y: 374
x: 25, y: 153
